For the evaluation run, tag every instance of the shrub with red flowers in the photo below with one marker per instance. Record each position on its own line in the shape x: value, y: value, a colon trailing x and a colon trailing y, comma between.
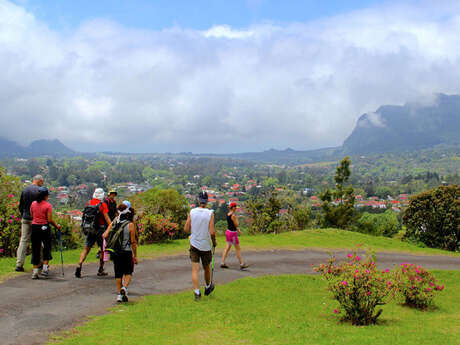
x: 156, y: 228
x: 10, y: 221
x: 359, y: 287
x: 417, y: 286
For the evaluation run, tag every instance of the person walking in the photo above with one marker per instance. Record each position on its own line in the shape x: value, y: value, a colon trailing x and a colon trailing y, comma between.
x: 112, y: 205
x: 125, y: 258
x: 41, y: 212
x: 231, y: 236
x: 200, y: 222
x: 28, y: 195
x: 102, y: 222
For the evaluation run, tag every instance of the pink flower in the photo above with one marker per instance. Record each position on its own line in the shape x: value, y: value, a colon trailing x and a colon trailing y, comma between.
x: 368, y: 293
x: 412, y: 287
x: 387, y: 271
x: 1, y: 250
x: 389, y: 283
x: 367, y: 271
x: 336, y: 311
x: 373, y: 263
x: 358, y: 258
x: 10, y: 221
x: 350, y: 255
x: 357, y: 271
x: 10, y: 196
x: 428, y: 289
x: 431, y: 284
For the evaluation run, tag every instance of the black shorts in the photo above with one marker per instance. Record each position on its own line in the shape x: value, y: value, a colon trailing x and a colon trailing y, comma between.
x: 196, y: 255
x: 123, y: 264
x: 41, y: 234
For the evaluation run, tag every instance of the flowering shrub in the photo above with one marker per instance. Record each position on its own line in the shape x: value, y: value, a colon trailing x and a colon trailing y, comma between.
x: 359, y: 287
x: 70, y: 233
x: 10, y: 221
x: 417, y: 285
x: 156, y: 228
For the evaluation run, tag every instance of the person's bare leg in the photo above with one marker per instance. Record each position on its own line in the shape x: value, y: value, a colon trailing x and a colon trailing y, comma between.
x: 126, y: 280
x: 225, y: 253
x: 83, y: 255
x: 101, y: 262
x: 118, y: 282
x: 238, y: 253
x: 195, y: 271
x: 207, y: 275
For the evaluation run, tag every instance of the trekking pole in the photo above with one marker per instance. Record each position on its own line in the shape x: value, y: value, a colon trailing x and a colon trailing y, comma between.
x: 212, y: 263
x: 62, y: 257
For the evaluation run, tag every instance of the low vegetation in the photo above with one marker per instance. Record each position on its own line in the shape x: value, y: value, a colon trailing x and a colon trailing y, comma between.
x: 271, y: 310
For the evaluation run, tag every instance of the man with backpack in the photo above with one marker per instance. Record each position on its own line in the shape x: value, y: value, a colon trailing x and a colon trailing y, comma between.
x: 121, y: 240
x: 112, y: 205
x: 95, y: 221
x: 200, y: 222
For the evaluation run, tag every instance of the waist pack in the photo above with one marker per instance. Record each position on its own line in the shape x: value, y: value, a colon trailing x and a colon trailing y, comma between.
x: 89, y: 224
x: 114, y: 241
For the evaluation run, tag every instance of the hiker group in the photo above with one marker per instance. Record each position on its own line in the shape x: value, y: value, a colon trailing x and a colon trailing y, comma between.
x: 113, y: 229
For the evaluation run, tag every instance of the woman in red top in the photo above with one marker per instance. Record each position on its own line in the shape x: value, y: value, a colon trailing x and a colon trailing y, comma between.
x: 42, y: 216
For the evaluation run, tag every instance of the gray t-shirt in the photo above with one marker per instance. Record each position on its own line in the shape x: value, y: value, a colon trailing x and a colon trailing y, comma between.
x: 28, y: 196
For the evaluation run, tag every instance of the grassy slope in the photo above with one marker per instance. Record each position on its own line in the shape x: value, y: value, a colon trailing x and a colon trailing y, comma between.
x: 324, y: 239
x: 270, y: 310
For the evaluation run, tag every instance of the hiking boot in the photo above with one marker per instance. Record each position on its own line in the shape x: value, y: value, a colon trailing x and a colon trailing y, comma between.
x: 243, y: 266
x: 197, y: 296
x: 223, y: 266
x: 119, y: 298
x: 45, y: 273
x: 78, y: 272
x: 209, y: 289
x: 101, y: 272
x: 35, y: 275
x: 124, y: 294
x: 19, y: 269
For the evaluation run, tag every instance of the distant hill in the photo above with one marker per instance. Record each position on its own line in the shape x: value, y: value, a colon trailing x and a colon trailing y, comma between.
x: 42, y: 147
x: 407, y: 128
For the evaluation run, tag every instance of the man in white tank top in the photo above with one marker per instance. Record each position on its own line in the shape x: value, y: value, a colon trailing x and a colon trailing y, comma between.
x: 200, y: 222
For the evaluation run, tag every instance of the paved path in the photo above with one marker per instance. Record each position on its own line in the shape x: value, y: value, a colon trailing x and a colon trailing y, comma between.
x: 31, y: 310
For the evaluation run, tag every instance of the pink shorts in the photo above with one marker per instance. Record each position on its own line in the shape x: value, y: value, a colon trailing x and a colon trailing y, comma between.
x: 232, y: 237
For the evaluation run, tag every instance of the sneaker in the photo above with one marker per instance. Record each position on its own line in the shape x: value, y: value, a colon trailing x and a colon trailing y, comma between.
x: 223, y: 266
x: 243, y: 266
x: 197, y: 296
x: 19, y: 269
x: 102, y: 273
x: 209, y: 289
x: 124, y: 294
x: 119, y: 298
x: 78, y: 272
x: 35, y: 276
x: 45, y: 273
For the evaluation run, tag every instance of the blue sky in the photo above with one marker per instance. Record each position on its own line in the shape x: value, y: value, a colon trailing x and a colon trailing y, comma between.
x: 196, y: 14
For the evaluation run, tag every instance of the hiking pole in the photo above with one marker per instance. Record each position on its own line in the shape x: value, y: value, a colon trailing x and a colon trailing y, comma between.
x: 62, y: 257
x: 212, y: 263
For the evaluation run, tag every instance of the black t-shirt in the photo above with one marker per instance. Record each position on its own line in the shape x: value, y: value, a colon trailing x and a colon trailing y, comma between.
x: 230, y: 223
x: 112, y: 205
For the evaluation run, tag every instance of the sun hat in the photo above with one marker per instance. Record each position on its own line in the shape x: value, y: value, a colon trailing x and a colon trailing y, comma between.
x: 99, y: 194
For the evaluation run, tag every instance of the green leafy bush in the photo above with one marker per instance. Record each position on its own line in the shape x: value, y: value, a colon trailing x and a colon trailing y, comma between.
x: 359, y: 287
x: 70, y: 232
x: 383, y: 224
x: 156, y: 228
x: 10, y: 219
x: 417, y: 286
x: 433, y: 218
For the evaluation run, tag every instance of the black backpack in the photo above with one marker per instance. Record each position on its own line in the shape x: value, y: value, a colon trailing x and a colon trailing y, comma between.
x: 114, y: 241
x: 89, y: 223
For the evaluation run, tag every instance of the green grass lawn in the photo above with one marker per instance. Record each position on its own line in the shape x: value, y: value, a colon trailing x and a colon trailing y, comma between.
x: 315, y: 238
x: 292, y: 309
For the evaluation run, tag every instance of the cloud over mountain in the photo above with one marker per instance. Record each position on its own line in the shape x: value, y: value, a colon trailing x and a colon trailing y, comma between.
x: 303, y: 85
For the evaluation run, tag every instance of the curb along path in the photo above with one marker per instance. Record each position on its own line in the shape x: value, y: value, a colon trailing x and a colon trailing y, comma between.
x: 31, y: 310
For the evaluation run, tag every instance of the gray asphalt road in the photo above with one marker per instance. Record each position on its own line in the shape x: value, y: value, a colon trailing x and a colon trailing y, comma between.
x: 31, y: 310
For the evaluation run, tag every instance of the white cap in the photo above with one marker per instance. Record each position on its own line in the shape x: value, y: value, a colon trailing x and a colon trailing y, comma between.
x: 99, y: 194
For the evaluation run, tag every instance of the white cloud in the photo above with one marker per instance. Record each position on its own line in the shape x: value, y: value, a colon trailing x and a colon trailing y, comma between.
x: 302, y: 85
